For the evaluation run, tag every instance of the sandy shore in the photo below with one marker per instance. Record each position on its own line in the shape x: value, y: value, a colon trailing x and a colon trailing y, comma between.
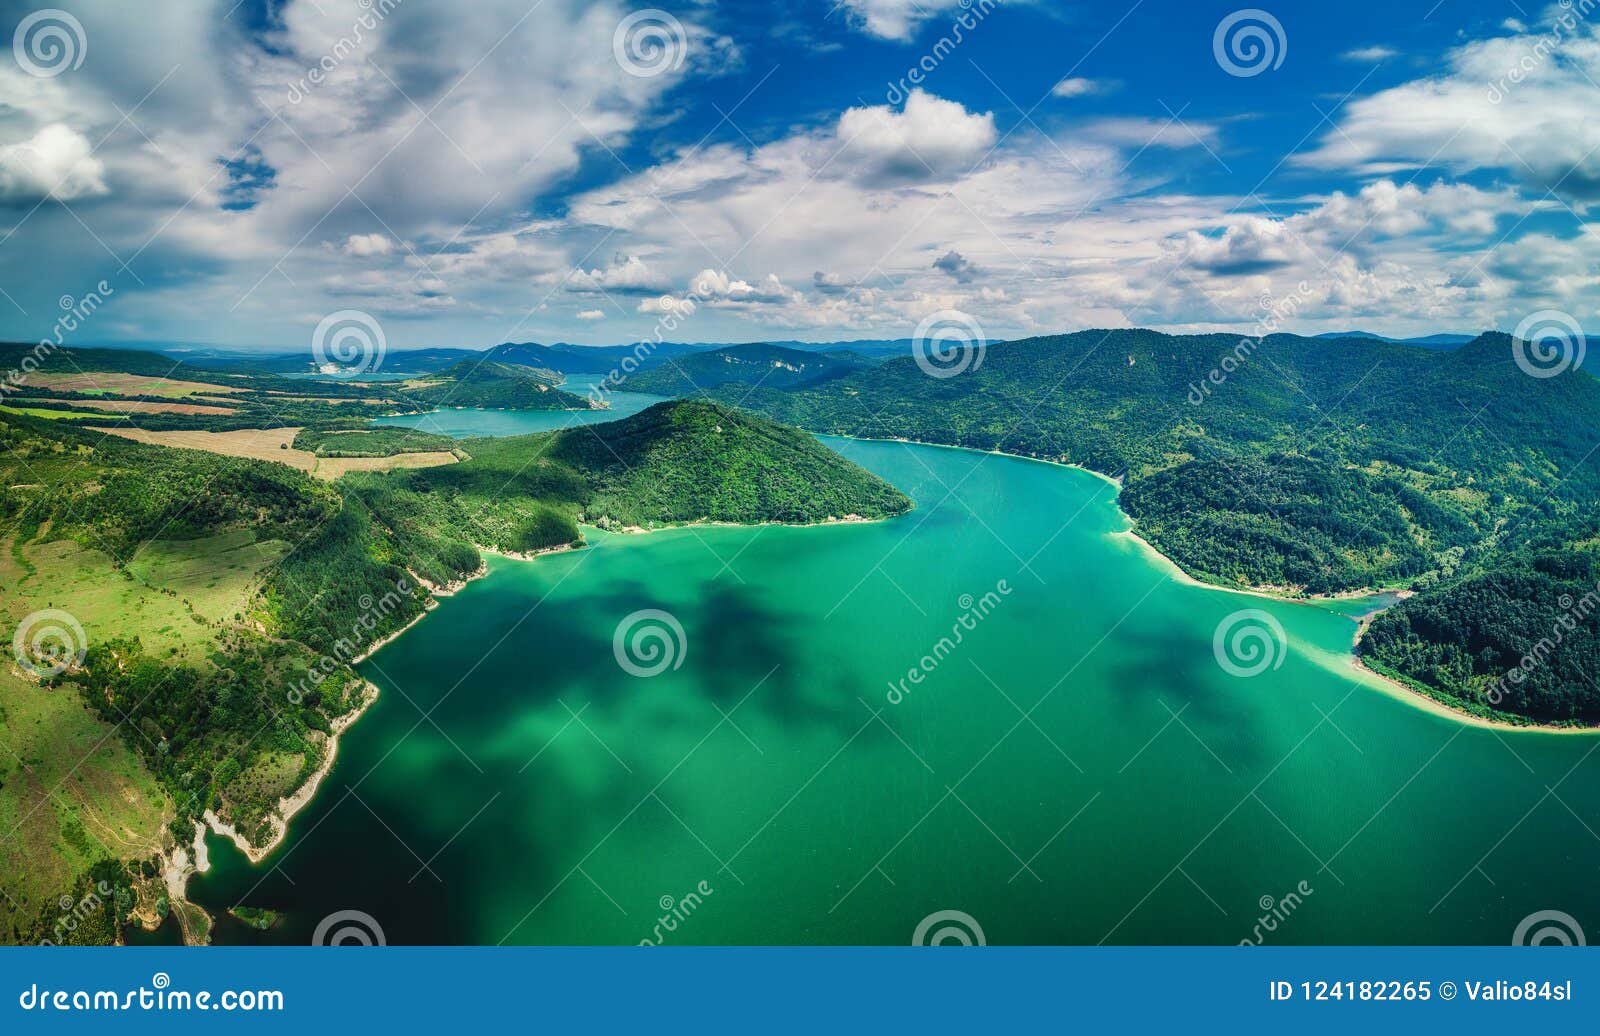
x: 849, y: 519
x: 1368, y: 676
x: 300, y: 798
x: 372, y: 650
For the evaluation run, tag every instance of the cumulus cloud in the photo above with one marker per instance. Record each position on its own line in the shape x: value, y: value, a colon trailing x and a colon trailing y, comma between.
x: 930, y: 139
x: 363, y: 246
x: 591, y: 314
x: 55, y: 162
x: 1520, y: 105
x: 957, y: 267
x: 627, y: 275
x: 831, y: 283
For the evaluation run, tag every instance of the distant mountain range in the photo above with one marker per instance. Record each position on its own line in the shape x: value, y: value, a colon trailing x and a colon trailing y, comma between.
x: 1440, y: 341
x: 759, y: 363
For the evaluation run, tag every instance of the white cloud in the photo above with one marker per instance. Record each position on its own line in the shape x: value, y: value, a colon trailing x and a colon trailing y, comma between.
x: 363, y: 246
x: 1521, y: 105
x: 55, y: 162
x: 1145, y: 133
x: 591, y: 314
x: 627, y: 275
x: 1370, y: 54
x: 1077, y: 87
x: 895, y: 19
x: 930, y: 139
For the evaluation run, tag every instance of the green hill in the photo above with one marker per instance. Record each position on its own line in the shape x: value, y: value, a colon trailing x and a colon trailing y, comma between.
x: 492, y: 385
x: 693, y: 461
x: 770, y: 366
x: 222, y: 601
x: 1299, y: 464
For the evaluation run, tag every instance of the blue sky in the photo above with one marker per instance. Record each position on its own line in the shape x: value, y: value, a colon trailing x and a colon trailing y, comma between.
x: 598, y: 173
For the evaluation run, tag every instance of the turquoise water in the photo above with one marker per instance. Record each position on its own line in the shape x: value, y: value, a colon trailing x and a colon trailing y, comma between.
x: 1079, y: 768
x: 466, y: 423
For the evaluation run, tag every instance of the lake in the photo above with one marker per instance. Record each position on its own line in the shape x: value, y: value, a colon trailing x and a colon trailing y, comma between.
x: 1079, y: 768
x: 467, y: 422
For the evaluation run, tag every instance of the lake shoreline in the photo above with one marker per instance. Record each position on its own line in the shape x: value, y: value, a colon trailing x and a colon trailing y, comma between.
x: 1384, y: 684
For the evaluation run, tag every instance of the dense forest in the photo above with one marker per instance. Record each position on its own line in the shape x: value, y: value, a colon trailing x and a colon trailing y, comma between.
x: 1303, y: 465
x: 756, y: 364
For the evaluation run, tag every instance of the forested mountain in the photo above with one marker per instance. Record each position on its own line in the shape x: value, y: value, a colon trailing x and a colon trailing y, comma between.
x: 585, y: 359
x: 494, y: 385
x: 1312, y: 465
x: 221, y: 600
x: 772, y: 366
